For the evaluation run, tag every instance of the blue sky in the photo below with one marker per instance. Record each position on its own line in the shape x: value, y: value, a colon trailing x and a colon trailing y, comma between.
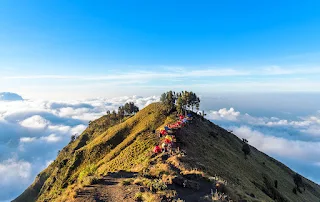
x: 255, y: 64
x: 89, y: 48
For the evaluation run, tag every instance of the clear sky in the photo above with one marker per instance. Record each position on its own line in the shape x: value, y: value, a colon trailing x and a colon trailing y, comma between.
x: 95, y: 48
x: 62, y: 50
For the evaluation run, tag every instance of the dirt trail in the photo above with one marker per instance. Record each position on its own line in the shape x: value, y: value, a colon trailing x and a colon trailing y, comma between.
x: 108, y: 189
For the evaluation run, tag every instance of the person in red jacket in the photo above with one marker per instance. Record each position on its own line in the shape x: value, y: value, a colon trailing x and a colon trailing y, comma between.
x: 163, y: 132
x: 157, y: 149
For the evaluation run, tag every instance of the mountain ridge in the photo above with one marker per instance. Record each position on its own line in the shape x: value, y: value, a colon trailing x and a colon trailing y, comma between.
x: 207, y: 155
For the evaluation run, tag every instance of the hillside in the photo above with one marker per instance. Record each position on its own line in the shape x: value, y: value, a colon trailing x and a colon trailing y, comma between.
x: 112, y: 160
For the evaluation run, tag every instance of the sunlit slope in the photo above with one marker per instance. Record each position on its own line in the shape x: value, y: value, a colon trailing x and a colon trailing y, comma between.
x: 106, y: 145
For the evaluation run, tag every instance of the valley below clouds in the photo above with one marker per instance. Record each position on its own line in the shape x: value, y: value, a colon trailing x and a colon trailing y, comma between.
x: 33, y: 131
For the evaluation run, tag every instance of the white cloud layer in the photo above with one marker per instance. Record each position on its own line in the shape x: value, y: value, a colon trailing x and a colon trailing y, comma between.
x: 295, y: 149
x: 224, y: 114
x: 32, y: 131
x: 309, y: 125
x: 35, y: 121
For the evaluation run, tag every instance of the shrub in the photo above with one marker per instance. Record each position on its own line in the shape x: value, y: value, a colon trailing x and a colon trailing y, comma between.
x: 158, y: 185
x: 246, y: 150
x: 137, y: 181
x: 88, y: 171
x: 89, y: 180
x: 126, y: 182
x: 294, y: 190
x: 297, y: 179
x: 155, y: 185
x: 138, y: 196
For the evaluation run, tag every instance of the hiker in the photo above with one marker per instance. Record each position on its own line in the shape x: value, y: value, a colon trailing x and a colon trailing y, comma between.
x: 185, y: 120
x: 170, y: 145
x: 163, y: 132
x: 164, y: 147
x: 166, y: 128
x: 168, y: 137
x: 174, y: 126
x: 157, y: 149
x: 179, y: 123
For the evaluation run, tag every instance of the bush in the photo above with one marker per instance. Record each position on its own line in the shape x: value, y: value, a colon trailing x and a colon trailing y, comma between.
x: 138, y: 196
x: 126, y: 182
x: 89, y: 180
x: 159, y: 185
x: 246, y: 150
x: 155, y: 185
x: 297, y: 179
x: 294, y: 190
x: 276, y: 184
x: 88, y: 171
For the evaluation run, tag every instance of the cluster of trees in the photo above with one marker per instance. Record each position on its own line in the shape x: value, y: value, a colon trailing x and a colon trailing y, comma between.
x: 182, y: 101
x: 128, y: 109
x: 246, y: 148
x: 297, y: 179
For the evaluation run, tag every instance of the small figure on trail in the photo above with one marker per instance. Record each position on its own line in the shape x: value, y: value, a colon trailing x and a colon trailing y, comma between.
x: 169, y: 138
x: 170, y: 150
x: 174, y: 126
x: 157, y: 149
x: 217, y: 187
x: 163, y: 132
x: 167, y: 141
x: 166, y: 128
x: 164, y: 147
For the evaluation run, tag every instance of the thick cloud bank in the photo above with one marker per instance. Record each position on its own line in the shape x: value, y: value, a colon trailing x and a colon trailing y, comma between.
x: 32, y: 132
x: 6, y: 96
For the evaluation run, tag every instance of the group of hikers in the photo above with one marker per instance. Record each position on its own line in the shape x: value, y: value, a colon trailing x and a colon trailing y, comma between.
x: 167, y: 132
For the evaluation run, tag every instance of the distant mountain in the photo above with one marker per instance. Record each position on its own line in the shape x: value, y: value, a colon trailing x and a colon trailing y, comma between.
x: 7, y: 96
x: 113, y: 160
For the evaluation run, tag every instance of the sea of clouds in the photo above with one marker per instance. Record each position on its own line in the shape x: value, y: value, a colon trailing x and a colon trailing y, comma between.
x: 33, y: 131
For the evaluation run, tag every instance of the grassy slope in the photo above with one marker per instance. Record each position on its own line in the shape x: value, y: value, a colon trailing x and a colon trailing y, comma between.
x: 109, y: 146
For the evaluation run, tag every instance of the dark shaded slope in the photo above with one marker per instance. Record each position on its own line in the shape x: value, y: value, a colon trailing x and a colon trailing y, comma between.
x: 218, y: 152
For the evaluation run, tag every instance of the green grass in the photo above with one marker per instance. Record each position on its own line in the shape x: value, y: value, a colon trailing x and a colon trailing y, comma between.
x: 88, y: 171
